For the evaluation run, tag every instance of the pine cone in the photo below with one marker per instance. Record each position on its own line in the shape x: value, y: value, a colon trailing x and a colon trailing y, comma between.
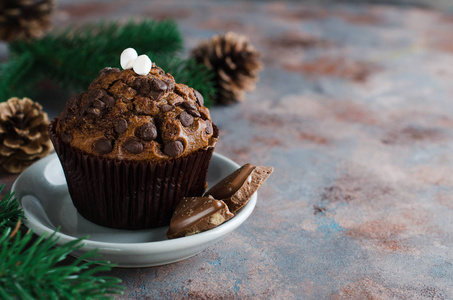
x: 235, y: 62
x: 24, y: 19
x: 23, y: 134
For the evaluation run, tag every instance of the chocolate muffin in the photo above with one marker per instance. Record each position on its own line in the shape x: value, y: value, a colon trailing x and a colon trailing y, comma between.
x: 133, y: 146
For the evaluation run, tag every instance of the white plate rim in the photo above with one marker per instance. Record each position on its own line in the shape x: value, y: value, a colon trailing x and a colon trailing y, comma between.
x: 149, y: 248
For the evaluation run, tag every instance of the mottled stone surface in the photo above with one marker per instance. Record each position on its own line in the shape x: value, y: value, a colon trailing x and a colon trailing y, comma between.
x: 354, y: 111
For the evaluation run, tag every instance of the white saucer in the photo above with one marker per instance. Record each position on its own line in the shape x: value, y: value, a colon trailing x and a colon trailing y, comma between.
x: 43, y: 194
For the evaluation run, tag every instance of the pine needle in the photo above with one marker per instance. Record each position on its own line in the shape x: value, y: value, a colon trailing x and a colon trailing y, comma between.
x: 10, y: 212
x: 16, y: 229
x: 30, y: 267
x: 29, y: 270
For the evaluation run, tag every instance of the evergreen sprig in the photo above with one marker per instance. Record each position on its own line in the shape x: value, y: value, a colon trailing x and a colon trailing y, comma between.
x: 31, y: 268
x: 10, y: 212
x: 73, y: 58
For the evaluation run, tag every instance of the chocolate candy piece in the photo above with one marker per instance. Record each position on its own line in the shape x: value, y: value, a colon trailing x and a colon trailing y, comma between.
x: 236, y: 189
x: 121, y: 126
x: 199, y: 97
x: 146, y: 132
x: 173, y: 148
x: 134, y: 146
x: 103, y: 146
x: 186, y: 119
x: 231, y: 184
x: 196, y: 214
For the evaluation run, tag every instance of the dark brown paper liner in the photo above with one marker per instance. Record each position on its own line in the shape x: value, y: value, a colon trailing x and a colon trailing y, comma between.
x: 128, y: 194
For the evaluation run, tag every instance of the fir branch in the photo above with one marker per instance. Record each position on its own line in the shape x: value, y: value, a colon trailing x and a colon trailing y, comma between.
x: 13, y: 76
x: 74, y: 57
x: 30, y: 270
x: 10, y: 212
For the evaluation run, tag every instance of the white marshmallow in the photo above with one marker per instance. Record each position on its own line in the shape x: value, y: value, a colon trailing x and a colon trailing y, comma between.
x: 128, y: 58
x: 142, y: 65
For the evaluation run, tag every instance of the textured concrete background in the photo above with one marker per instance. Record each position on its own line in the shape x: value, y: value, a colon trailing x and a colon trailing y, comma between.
x: 354, y: 110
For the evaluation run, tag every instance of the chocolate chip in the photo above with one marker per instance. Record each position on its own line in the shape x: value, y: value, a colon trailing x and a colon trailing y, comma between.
x: 146, y: 132
x: 188, y: 105
x: 93, y: 111
x: 66, y: 137
x: 170, y: 85
x: 191, y: 109
x: 133, y: 146
x: 108, y: 100
x: 194, y: 112
x: 159, y: 85
x: 142, y: 85
x: 173, y: 148
x: 166, y: 108
x: 95, y: 94
x: 199, y: 97
x: 98, y: 104
x: 121, y: 126
x: 186, y: 119
x: 209, y: 129
x: 156, y: 95
x: 175, y: 100
x: 103, y: 146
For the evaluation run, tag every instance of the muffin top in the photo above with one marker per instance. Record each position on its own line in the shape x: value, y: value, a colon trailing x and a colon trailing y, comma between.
x: 128, y: 116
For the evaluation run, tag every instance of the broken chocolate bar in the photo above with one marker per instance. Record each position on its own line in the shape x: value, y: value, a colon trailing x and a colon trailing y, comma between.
x: 196, y: 214
x: 237, y: 188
